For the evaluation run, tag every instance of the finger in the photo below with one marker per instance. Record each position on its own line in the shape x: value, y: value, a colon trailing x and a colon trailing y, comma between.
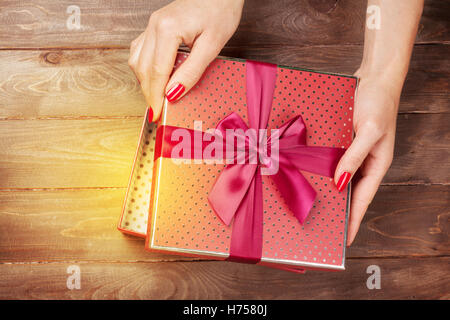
x: 186, y: 76
x: 156, y: 64
x: 135, y: 51
x: 166, y: 48
x: 362, y: 195
x: 374, y: 168
x: 145, y: 56
x: 354, y: 156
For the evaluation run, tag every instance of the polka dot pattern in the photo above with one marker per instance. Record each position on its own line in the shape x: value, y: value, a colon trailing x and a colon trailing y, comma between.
x: 184, y: 217
x: 137, y: 202
x: 220, y: 91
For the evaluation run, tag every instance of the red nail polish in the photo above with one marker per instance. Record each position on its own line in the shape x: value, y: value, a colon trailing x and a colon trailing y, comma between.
x: 343, y: 181
x: 175, y: 92
x: 150, y: 114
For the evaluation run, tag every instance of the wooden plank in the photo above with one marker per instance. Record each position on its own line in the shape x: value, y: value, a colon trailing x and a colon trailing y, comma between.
x: 42, y: 23
x: 71, y: 83
x: 80, y: 225
x: 99, y: 153
x: 411, y: 278
x: 422, y: 142
x: 405, y: 220
x: 99, y: 83
x: 67, y: 153
x: 66, y: 225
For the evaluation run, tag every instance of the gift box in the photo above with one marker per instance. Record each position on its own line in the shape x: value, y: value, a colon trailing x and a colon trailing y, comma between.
x: 205, y: 205
x: 135, y: 209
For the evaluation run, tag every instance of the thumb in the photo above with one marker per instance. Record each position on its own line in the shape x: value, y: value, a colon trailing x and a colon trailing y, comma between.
x: 191, y: 70
x: 354, y: 157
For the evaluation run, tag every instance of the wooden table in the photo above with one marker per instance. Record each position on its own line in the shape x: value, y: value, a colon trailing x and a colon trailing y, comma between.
x: 70, y: 114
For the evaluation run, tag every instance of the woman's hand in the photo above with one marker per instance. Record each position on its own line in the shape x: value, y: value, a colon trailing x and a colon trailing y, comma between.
x: 383, y: 70
x: 203, y: 26
x: 374, y: 121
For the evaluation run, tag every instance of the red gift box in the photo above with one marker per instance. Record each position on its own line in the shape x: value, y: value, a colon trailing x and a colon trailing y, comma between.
x: 183, y: 221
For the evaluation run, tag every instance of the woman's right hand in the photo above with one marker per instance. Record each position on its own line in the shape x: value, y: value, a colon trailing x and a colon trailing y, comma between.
x: 203, y: 26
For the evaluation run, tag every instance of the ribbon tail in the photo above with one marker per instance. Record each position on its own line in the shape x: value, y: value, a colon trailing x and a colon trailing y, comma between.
x: 319, y: 160
x: 296, y: 191
x: 247, y: 233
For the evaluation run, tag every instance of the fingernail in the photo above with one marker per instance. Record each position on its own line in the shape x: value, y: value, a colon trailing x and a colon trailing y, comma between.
x: 175, y: 92
x: 343, y: 181
x: 150, y: 114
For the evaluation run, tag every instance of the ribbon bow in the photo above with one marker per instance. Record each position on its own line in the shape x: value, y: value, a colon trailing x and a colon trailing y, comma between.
x: 237, y: 192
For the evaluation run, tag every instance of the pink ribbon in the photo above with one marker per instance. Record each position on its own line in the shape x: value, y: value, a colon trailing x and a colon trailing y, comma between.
x: 237, y: 192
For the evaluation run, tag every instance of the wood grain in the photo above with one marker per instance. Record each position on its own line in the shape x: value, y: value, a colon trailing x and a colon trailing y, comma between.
x: 67, y: 153
x: 99, y: 152
x: 70, y: 115
x: 422, y: 146
x: 115, y: 23
x: 99, y: 83
x: 411, y: 278
x: 68, y: 225
x: 72, y: 83
x: 80, y: 225
x: 405, y: 221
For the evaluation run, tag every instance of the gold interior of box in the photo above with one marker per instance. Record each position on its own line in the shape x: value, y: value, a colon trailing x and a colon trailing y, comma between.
x: 137, y: 201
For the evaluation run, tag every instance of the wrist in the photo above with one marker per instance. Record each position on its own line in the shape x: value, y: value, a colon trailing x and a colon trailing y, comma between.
x: 389, y: 78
